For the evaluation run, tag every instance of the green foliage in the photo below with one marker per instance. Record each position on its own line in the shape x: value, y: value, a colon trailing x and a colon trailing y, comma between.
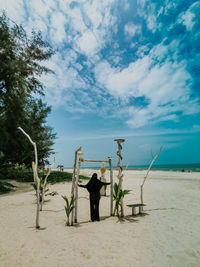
x: 118, y: 195
x: 40, y: 188
x: 16, y: 172
x: 5, y: 187
x: 21, y: 174
x: 69, y: 206
x: 20, y: 70
x: 56, y: 177
x: 41, y: 185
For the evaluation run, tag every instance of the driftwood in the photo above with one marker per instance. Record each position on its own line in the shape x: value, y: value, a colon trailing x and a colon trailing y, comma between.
x: 74, y: 181
x: 148, y: 170
x: 35, y: 175
x: 43, y: 188
x: 53, y: 193
x: 120, y: 175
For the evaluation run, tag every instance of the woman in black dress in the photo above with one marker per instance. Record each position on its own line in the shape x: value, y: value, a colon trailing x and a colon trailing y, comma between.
x: 93, y: 187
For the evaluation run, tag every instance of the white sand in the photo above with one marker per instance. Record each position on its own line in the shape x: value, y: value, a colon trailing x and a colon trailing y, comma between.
x: 167, y: 235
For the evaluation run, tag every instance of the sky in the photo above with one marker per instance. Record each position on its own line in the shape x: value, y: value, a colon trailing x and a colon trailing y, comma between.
x: 122, y: 69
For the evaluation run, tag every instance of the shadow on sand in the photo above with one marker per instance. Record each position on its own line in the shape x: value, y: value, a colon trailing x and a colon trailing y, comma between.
x: 163, y: 209
x: 128, y: 218
x: 131, y: 218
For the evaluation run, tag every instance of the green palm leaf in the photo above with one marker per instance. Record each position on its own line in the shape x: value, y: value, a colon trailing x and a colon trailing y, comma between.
x: 69, y: 206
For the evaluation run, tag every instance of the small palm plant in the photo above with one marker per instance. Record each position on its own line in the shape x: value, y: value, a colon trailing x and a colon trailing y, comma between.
x: 69, y: 207
x: 118, y: 196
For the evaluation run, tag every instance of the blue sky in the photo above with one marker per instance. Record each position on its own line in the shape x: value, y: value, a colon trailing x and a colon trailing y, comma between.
x: 123, y: 69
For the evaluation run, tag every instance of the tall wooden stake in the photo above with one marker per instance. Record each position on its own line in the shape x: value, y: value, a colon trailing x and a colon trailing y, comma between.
x: 76, y: 191
x: 141, y: 187
x: 111, y: 186
x: 35, y: 175
x: 74, y: 181
x: 120, y: 175
x: 102, y: 179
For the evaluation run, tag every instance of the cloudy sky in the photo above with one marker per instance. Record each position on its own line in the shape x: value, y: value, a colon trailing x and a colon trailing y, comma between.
x: 123, y: 69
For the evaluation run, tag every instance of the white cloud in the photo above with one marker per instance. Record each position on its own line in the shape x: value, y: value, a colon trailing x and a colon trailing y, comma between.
x: 141, y: 51
x: 126, y: 5
x: 190, y: 17
x: 119, y: 82
x: 131, y: 29
x: 167, y: 89
x: 187, y: 19
x: 88, y: 43
x: 151, y: 22
x: 40, y: 8
x: 94, y: 13
x: 57, y: 31
x: 86, y: 28
x: 166, y: 86
x: 14, y: 10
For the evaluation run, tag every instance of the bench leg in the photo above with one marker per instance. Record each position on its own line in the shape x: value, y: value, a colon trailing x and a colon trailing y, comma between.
x: 140, y: 209
x: 133, y: 211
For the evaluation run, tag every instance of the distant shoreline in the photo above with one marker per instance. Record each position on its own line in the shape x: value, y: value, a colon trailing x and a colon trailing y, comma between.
x: 195, y: 167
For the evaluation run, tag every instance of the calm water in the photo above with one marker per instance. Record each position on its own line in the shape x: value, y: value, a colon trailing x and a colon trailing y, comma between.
x: 170, y: 167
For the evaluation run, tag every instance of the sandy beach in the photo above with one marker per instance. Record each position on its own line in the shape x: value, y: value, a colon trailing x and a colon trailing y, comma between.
x: 167, y: 234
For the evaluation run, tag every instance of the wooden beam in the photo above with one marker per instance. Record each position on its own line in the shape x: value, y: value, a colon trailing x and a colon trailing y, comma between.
x: 91, y: 160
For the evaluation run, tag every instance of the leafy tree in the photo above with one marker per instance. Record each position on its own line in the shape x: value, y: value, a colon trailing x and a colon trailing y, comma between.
x: 35, y: 118
x: 20, y: 70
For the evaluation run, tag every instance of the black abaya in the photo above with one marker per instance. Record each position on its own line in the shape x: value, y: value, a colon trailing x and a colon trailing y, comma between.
x: 93, y: 187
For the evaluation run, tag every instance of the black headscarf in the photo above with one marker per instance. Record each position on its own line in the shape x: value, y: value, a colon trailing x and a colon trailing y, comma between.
x: 94, y: 185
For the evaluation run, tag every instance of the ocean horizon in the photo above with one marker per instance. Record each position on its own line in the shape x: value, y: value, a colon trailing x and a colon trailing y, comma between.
x: 194, y: 167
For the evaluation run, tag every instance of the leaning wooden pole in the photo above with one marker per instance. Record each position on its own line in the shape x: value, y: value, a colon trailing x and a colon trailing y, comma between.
x: 120, y: 169
x: 35, y: 174
x: 145, y: 177
x: 74, y: 181
x: 111, y: 186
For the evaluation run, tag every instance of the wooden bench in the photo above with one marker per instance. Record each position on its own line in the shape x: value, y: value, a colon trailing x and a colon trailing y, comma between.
x: 134, y: 206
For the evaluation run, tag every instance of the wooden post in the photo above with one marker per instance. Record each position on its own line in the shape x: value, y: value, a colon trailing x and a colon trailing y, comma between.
x: 111, y: 186
x: 74, y: 181
x: 148, y: 170
x: 102, y: 179
x: 76, y: 191
x: 35, y: 175
x: 120, y: 175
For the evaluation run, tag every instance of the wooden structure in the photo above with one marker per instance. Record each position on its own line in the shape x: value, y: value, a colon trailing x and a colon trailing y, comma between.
x: 141, y: 205
x: 76, y: 179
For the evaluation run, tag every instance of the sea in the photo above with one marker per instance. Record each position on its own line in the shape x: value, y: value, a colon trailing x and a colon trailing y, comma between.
x: 195, y: 167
